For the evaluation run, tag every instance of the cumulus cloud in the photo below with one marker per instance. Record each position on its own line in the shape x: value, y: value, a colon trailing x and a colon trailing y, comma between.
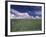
x: 14, y: 11
x: 36, y: 16
x: 38, y: 12
x: 19, y: 14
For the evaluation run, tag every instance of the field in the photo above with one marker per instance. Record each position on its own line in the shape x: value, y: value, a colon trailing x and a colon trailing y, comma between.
x: 25, y: 25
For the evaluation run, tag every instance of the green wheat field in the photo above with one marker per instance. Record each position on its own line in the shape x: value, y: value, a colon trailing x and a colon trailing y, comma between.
x: 25, y: 25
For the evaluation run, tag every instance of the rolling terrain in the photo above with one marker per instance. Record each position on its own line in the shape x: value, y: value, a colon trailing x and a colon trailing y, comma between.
x: 25, y: 25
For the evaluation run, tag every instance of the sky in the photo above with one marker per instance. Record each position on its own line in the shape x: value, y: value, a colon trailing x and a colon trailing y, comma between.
x: 31, y: 10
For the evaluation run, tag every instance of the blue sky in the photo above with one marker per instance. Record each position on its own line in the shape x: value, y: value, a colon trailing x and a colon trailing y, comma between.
x: 31, y: 10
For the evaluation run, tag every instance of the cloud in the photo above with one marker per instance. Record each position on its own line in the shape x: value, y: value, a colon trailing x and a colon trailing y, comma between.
x: 38, y: 12
x: 18, y: 14
x: 36, y: 17
x: 14, y: 11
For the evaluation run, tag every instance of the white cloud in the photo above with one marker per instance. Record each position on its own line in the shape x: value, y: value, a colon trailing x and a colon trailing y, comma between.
x: 37, y: 17
x: 38, y: 12
x: 19, y: 15
x: 14, y: 11
x: 33, y: 17
x: 23, y: 15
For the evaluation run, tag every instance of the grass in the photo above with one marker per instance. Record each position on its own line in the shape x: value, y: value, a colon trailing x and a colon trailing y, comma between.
x: 25, y: 25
